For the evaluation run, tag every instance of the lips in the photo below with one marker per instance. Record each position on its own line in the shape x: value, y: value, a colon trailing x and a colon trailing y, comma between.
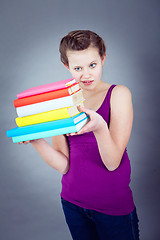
x: 87, y: 82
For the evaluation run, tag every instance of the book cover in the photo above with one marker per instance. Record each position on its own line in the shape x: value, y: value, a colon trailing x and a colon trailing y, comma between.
x: 47, y: 125
x: 48, y: 116
x: 46, y: 88
x: 69, y: 90
x: 50, y: 133
x: 50, y: 105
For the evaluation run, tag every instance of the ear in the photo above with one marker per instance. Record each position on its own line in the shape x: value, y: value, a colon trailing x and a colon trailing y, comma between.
x: 103, y: 59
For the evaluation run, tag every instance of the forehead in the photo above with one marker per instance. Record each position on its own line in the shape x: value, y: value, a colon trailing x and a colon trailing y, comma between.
x: 83, y: 56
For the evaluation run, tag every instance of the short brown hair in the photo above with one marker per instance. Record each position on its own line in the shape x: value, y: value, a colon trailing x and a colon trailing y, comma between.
x: 80, y: 40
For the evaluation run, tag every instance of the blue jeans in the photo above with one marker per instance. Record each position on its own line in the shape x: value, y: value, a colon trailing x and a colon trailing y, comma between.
x: 87, y: 224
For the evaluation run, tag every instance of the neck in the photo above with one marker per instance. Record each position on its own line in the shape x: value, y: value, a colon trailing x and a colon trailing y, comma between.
x: 102, y: 86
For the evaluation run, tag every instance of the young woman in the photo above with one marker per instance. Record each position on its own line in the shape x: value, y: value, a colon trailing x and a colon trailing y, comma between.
x: 96, y: 197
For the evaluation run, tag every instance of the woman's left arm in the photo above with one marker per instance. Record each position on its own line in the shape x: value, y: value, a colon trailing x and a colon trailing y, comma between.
x: 112, y: 141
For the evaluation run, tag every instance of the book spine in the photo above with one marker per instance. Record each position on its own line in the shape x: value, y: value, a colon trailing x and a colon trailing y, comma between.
x: 40, y: 127
x: 42, y: 117
x: 47, y: 96
x: 46, y: 125
x: 46, y: 88
x: 50, y: 105
x: 47, y: 116
x: 44, y: 134
x: 50, y: 133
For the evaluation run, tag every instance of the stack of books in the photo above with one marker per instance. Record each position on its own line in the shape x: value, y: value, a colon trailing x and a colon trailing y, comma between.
x: 48, y: 110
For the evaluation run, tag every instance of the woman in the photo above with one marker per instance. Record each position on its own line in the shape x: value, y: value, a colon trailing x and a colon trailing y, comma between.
x: 96, y: 197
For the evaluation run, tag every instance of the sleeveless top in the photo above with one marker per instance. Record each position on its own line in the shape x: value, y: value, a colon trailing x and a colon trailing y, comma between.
x: 88, y: 183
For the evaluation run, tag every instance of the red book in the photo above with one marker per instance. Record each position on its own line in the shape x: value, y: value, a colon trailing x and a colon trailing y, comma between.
x: 69, y: 90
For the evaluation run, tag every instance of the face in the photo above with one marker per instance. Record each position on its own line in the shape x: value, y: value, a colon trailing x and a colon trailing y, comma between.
x: 86, y: 67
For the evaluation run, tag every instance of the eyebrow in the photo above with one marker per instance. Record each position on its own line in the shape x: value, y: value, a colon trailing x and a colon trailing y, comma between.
x: 93, y: 61
x: 89, y: 64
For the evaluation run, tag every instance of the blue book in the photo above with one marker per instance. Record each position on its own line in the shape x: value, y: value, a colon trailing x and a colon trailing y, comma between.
x: 47, y: 129
x: 49, y: 133
x: 40, y: 127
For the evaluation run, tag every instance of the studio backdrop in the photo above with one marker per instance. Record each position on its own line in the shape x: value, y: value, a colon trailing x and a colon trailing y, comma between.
x: 30, y: 33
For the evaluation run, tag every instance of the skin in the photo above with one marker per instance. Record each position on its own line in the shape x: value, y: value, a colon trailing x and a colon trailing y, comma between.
x: 86, y: 67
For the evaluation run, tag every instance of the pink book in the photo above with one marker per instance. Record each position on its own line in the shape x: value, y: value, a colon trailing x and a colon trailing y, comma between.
x: 47, y: 88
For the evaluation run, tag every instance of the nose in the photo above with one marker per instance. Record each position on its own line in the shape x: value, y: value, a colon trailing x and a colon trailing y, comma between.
x: 86, y: 73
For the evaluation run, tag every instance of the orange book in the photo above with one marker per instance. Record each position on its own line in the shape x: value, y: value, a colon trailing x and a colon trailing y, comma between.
x: 47, y: 96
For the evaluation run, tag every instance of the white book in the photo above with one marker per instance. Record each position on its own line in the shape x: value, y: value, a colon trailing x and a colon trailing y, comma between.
x: 50, y: 105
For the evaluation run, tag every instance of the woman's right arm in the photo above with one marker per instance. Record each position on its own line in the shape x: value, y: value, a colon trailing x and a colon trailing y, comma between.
x: 57, y: 156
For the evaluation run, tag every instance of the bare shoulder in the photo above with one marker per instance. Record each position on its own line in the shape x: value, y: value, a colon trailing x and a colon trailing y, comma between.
x: 121, y: 94
x: 121, y: 90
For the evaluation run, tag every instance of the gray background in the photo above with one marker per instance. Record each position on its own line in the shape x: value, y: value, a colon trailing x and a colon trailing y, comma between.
x: 30, y: 32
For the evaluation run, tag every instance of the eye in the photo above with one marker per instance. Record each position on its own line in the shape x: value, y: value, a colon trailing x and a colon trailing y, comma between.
x: 93, y: 65
x: 78, y: 69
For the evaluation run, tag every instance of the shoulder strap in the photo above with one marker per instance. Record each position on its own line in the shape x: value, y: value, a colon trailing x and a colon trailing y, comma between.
x: 104, y: 109
x: 108, y: 100
x: 109, y: 93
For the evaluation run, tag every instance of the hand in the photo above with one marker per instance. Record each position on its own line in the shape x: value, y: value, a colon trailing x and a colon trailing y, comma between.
x: 95, y: 124
x: 30, y: 141
x: 25, y: 142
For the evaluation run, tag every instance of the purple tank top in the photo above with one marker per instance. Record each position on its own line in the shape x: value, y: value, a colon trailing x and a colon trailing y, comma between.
x: 88, y: 183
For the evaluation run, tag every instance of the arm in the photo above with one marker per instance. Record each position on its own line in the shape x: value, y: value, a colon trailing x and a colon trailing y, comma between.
x: 57, y: 156
x: 112, y: 141
x: 58, y: 160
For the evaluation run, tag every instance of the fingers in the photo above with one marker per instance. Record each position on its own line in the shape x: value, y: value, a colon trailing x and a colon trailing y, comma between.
x: 71, y: 134
x: 86, y: 110
x: 85, y: 129
x: 25, y: 142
